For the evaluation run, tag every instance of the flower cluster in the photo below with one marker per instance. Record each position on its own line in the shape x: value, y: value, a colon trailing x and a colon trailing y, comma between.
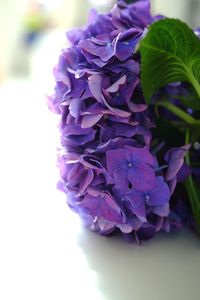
x: 108, y: 164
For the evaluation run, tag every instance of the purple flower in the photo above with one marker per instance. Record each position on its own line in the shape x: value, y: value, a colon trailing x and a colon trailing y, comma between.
x: 136, y: 15
x: 75, y: 135
x: 175, y: 160
x: 131, y: 166
x: 101, y: 205
x: 105, y: 47
x: 116, y: 129
x: 78, y: 177
x: 115, y: 96
x: 157, y: 197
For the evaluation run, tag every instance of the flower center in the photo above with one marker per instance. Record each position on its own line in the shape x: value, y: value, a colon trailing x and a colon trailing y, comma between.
x: 147, y: 197
x: 130, y: 165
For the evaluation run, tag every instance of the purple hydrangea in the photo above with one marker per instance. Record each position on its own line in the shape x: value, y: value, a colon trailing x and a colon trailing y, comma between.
x: 108, y: 167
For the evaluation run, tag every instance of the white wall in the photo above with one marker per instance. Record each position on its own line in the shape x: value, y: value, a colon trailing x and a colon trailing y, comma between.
x: 187, y: 10
x: 10, y: 15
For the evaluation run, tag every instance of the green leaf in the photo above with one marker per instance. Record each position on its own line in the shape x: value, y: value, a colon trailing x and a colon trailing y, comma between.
x: 194, y: 197
x: 170, y: 53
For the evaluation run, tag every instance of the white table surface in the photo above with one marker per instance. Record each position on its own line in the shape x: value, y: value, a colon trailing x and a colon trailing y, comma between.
x: 45, y: 253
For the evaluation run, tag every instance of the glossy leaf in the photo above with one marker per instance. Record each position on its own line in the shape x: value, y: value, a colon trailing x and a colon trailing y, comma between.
x: 170, y: 53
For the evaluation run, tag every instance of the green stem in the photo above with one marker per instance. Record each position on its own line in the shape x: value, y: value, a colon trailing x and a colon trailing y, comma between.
x: 187, y: 141
x: 194, y: 198
x: 191, y: 188
x: 195, y: 83
x: 179, y: 113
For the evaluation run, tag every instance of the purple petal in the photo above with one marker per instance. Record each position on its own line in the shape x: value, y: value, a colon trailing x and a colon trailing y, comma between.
x: 90, y: 120
x: 117, y: 112
x: 75, y: 107
x: 121, y: 181
x: 100, y: 207
x: 105, y: 226
x: 137, y: 107
x: 172, y: 184
x: 160, y: 194
x: 141, y: 155
x: 183, y: 173
x: 127, y: 92
x: 126, y: 43
x: 78, y: 88
x: 137, y: 205
x: 110, y: 201
x: 118, y: 130
x: 90, y: 161
x: 75, y: 35
x: 138, y: 14
x: 104, y: 52
x: 115, y: 159
x: 162, y: 211
x: 86, y: 180
x: 77, y: 135
x: 125, y: 228
x: 73, y: 173
x: 135, y: 198
x: 142, y: 177
x: 135, y: 223
x: 115, y: 86
x: 140, y: 212
x: 175, y: 159
x: 95, y: 86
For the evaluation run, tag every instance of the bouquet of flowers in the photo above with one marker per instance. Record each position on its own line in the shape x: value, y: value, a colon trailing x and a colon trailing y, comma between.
x: 128, y: 92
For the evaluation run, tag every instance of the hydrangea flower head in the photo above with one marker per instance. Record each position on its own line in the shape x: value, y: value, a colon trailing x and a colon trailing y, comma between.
x: 108, y: 170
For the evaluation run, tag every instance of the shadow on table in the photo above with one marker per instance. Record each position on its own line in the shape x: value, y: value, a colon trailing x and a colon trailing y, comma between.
x: 153, y: 271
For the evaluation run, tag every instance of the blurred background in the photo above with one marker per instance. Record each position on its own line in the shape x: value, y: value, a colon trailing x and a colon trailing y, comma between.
x: 32, y: 31
x: 35, y: 228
